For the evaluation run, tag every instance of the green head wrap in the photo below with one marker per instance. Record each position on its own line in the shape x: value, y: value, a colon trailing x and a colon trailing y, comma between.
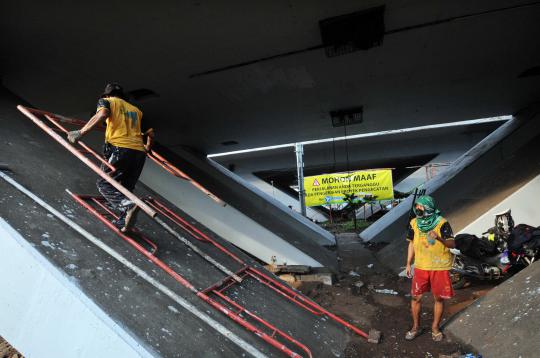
x: 431, y: 215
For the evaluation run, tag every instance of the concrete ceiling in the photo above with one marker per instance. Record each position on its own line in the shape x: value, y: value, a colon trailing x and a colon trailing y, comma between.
x: 59, y: 57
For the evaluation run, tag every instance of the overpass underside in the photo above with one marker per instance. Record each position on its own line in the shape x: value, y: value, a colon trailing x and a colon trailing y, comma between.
x: 130, y: 310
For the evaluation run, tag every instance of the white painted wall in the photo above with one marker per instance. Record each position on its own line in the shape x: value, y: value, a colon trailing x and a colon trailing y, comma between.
x: 524, y: 205
x: 44, y: 314
x: 225, y: 221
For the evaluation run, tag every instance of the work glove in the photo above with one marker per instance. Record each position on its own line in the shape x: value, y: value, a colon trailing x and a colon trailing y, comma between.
x: 74, y: 136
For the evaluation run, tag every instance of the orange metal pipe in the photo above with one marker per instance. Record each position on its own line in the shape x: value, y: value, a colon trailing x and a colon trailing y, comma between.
x: 177, y: 172
x: 164, y: 163
x: 87, y: 148
x: 63, y: 119
x: 141, y: 204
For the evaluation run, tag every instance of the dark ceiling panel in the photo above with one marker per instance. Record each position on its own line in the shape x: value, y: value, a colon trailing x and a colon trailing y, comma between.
x: 60, y: 57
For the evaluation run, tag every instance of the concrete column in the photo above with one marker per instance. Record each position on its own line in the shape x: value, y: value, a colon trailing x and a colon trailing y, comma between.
x: 299, y: 150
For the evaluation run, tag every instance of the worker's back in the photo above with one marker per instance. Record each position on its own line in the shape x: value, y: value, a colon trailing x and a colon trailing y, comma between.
x: 123, y: 123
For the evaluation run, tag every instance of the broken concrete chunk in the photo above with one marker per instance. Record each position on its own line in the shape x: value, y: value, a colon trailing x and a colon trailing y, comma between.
x: 386, y: 291
x: 374, y: 336
x: 290, y: 279
x: 453, y: 355
x: 288, y: 268
x: 325, y: 278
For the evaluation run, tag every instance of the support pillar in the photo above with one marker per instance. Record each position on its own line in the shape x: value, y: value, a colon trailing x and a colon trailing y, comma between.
x: 299, y: 150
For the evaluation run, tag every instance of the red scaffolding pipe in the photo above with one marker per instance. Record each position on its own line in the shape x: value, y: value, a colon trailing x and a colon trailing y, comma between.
x: 153, y: 155
x: 235, y: 316
x: 275, y: 285
x: 152, y: 207
x: 165, y: 164
x: 143, y: 206
x: 84, y: 146
x: 29, y: 113
x: 115, y: 229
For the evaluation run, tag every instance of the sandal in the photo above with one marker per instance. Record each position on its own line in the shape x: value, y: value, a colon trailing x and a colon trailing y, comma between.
x: 410, y: 335
x: 437, y: 337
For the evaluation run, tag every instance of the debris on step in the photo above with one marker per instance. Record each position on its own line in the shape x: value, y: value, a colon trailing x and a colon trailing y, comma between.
x: 291, y: 280
x: 318, y: 274
x: 374, y: 336
x: 300, y: 269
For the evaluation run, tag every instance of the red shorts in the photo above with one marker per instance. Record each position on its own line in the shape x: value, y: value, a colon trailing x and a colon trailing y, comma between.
x: 438, y: 282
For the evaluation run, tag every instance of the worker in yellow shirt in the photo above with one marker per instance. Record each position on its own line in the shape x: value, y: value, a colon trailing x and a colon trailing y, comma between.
x: 430, y: 239
x: 124, y: 148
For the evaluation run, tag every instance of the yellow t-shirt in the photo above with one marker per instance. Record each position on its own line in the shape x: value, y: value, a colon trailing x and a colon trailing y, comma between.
x: 123, y: 124
x: 432, y: 256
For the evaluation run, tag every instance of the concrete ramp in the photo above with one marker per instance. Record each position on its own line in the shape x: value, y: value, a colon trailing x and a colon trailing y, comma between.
x: 37, y: 294
x: 108, y: 296
x: 504, y: 323
x: 488, y: 173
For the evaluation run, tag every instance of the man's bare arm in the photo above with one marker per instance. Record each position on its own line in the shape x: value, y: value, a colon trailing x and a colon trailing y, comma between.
x: 95, y: 120
x: 449, y: 242
x: 410, y: 253
x: 74, y: 136
x: 150, y: 134
x: 410, y: 257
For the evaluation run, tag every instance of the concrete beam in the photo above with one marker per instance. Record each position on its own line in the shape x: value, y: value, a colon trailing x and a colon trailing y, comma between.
x: 485, y: 175
x: 275, y: 218
x: 226, y: 221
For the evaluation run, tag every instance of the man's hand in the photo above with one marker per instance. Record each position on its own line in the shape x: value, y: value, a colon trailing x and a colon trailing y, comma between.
x: 150, y: 134
x: 74, y: 136
x: 433, y: 235
x: 446, y: 242
x: 408, y: 271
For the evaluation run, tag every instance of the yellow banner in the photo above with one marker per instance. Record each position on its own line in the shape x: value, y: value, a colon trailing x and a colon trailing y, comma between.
x: 330, y: 188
